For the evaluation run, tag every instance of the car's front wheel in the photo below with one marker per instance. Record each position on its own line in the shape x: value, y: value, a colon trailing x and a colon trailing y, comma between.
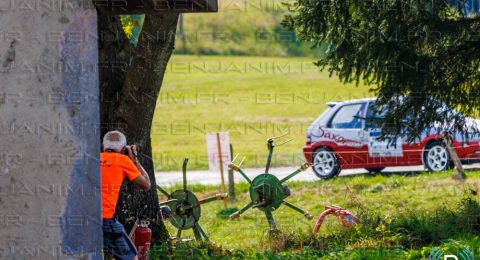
x: 436, y: 157
x: 325, y: 163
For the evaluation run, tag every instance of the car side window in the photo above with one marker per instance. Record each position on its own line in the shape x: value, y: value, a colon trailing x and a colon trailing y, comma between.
x: 372, y: 117
x: 348, y: 117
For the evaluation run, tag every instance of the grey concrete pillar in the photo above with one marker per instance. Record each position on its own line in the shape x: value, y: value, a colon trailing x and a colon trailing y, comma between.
x: 50, y: 207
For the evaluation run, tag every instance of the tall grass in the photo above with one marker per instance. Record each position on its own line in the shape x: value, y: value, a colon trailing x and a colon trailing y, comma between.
x: 410, y: 235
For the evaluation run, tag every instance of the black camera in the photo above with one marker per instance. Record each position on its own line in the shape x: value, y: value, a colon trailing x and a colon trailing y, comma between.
x: 128, y: 147
x: 125, y: 151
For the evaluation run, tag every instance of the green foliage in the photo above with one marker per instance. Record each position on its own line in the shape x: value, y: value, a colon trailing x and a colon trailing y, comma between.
x: 128, y: 24
x: 427, y: 228
x: 396, y: 182
x: 377, y: 187
x: 188, y: 250
x: 423, y: 50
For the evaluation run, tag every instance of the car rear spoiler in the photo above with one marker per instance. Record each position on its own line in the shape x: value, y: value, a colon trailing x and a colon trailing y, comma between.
x: 332, y: 104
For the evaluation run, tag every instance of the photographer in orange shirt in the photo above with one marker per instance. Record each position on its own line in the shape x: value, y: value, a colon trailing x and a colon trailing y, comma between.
x: 117, y: 162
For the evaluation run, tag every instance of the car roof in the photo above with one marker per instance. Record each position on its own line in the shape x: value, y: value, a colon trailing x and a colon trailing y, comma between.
x: 352, y: 101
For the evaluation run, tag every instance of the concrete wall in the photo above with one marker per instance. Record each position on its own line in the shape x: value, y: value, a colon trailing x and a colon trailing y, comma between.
x: 49, y: 174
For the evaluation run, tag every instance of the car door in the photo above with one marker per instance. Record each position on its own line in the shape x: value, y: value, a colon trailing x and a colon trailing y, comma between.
x: 387, y: 151
x: 346, y: 130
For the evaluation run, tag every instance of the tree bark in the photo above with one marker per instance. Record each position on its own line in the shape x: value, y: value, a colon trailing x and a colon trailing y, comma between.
x: 130, y: 79
x: 115, y: 52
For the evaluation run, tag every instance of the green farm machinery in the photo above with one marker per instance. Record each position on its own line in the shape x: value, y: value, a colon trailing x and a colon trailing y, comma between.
x: 267, y: 192
x: 186, y: 208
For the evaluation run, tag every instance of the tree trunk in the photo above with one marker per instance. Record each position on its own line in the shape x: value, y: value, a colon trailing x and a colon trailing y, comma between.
x: 115, y: 52
x: 130, y: 80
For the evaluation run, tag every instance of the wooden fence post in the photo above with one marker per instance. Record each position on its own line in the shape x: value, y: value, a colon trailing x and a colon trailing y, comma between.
x: 220, y: 162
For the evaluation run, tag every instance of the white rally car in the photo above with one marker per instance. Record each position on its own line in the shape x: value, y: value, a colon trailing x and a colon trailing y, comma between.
x: 341, y: 138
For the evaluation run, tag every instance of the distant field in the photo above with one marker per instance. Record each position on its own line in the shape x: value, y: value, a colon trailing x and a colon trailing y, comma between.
x: 250, y: 27
x: 251, y: 97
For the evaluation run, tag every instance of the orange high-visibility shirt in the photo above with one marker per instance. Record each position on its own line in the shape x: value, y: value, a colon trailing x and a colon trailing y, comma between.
x: 114, y: 167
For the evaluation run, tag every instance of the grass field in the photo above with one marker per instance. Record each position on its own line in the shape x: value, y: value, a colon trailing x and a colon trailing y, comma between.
x: 251, y: 97
x: 403, y: 216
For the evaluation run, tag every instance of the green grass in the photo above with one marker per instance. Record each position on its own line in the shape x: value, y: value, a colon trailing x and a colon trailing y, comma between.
x: 251, y: 97
x: 403, y: 217
x: 242, y: 28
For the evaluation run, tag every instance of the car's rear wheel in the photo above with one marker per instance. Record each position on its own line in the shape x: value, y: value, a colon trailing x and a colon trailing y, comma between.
x: 325, y: 163
x: 436, y: 157
x: 375, y: 170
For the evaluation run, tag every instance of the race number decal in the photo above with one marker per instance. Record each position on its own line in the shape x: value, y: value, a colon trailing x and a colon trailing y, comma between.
x: 389, y: 147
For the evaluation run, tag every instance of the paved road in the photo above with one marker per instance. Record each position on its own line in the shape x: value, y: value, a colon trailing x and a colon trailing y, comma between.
x: 166, y: 179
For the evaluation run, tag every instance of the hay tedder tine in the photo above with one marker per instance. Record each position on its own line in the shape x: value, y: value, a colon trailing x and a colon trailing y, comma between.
x: 237, y: 168
x: 179, y: 234
x: 244, y: 176
x: 302, y: 168
x: 240, y: 212
x: 164, y: 192
x: 290, y: 176
x: 167, y: 202
x: 197, y: 234
x: 185, y: 162
x: 214, y: 198
x: 304, y: 212
x: 198, y: 229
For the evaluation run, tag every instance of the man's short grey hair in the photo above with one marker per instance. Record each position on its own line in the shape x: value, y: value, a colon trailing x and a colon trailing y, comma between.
x: 114, y: 140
